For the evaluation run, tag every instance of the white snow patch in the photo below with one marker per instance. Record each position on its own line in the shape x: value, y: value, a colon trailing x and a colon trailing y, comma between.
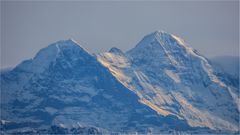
x: 235, y: 98
x: 178, y: 39
x: 208, y: 69
x: 58, y: 49
x: 173, y: 76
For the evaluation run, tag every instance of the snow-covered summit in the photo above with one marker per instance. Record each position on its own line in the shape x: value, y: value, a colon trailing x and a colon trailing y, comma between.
x: 69, y: 44
x: 173, y: 78
x: 50, y: 54
x: 159, y: 36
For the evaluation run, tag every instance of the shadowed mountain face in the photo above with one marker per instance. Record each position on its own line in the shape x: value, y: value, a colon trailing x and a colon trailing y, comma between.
x: 160, y: 85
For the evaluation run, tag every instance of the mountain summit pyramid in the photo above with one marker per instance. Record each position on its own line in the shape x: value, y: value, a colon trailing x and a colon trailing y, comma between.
x: 161, y: 85
x: 173, y: 78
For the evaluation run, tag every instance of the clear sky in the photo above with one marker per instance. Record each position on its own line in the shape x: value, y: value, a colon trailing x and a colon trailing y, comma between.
x: 210, y: 27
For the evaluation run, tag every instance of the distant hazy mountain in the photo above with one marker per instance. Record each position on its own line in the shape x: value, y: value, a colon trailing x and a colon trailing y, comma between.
x: 230, y: 64
x: 4, y: 70
x: 160, y: 86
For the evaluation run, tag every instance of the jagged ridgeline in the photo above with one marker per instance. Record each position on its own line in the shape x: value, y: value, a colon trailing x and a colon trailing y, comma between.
x: 160, y: 86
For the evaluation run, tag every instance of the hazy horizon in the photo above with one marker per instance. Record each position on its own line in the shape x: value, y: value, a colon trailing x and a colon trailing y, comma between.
x: 210, y: 27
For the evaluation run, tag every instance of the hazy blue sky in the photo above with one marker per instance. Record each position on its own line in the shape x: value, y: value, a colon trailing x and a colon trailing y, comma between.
x: 210, y: 27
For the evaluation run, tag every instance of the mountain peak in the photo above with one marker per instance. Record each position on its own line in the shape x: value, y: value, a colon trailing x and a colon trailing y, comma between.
x: 67, y: 43
x: 161, y: 38
x: 64, y: 48
x: 158, y: 33
x: 115, y: 50
x: 157, y: 36
x: 57, y: 47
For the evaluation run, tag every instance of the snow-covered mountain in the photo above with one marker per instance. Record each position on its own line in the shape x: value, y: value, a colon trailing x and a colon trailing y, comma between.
x: 174, y: 79
x: 160, y: 86
x: 64, y: 85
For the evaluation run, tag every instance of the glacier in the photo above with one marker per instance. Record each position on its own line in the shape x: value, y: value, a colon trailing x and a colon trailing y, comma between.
x: 162, y: 85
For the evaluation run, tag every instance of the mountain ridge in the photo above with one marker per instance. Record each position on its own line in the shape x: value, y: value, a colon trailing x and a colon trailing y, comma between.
x: 151, y: 56
x: 155, y: 86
